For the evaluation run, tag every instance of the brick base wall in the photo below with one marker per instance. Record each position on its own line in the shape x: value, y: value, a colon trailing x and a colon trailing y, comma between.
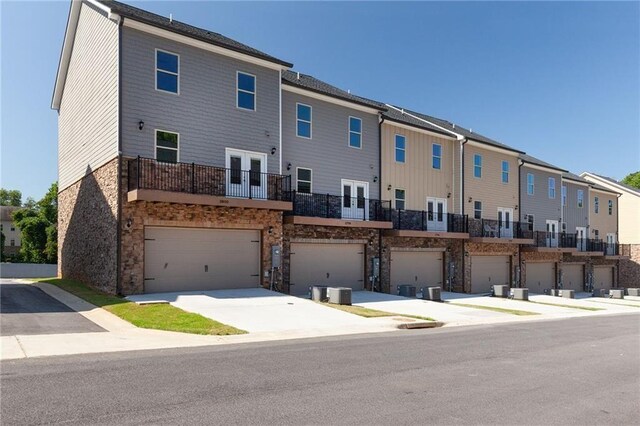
x: 629, y: 272
x: 471, y: 249
x: 537, y: 257
x: 590, y: 262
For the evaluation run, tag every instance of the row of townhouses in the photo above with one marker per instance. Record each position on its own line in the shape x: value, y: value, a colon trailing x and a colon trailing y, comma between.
x: 190, y: 161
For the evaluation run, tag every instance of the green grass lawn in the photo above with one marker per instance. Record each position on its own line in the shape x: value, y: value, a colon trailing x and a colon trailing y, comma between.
x: 371, y: 313
x: 584, y: 308
x: 492, y: 308
x: 156, y: 317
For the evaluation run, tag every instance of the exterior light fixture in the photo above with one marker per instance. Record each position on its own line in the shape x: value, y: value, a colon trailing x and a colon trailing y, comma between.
x: 273, y: 150
x: 448, y: 195
x: 375, y: 179
x: 470, y: 199
x: 140, y: 125
x: 388, y: 187
x: 288, y: 166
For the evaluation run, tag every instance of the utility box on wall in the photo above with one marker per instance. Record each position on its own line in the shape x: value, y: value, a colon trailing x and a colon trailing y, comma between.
x: 276, y: 257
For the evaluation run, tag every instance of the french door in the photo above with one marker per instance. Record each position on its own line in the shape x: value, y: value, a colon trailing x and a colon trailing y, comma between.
x: 355, y: 195
x: 245, y: 176
x: 552, y: 233
x: 505, y: 222
x: 581, y: 238
x: 611, y: 241
x: 436, y: 214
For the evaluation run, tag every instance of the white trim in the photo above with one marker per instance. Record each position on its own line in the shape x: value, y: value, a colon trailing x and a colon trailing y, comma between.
x: 280, y: 126
x: 488, y: 147
x: 544, y: 169
x: 610, y: 207
x: 177, y: 74
x: 575, y: 182
x: 564, y: 198
x: 474, y: 209
x: 349, y: 131
x: 578, y: 206
x: 533, y: 185
x: 390, y: 122
x: 395, y: 198
x: 602, y: 191
x: 294, y: 89
x: 596, y: 204
x: 395, y: 148
x: 474, y: 166
x: 604, y: 182
x: 502, y: 171
x: 549, y: 188
x: 433, y: 156
x: 140, y: 26
x: 310, y: 181
x: 155, y: 144
x: 305, y: 121
x: 254, y: 93
x: 457, y: 135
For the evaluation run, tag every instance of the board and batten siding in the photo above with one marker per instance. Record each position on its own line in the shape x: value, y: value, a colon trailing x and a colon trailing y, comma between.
x: 204, y: 112
x: 88, y: 114
x: 417, y: 176
x: 539, y: 204
x: 602, y: 221
x: 328, y: 153
x: 489, y: 189
x: 574, y: 216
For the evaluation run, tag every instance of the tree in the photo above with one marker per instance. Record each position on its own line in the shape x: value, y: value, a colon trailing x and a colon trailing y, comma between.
x: 632, y: 179
x: 38, y: 225
x: 10, y: 197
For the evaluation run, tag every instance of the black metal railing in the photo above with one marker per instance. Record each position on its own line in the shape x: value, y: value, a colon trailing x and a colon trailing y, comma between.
x: 147, y: 173
x: 420, y: 220
x: 489, y: 228
x: 612, y: 249
x: 339, y: 207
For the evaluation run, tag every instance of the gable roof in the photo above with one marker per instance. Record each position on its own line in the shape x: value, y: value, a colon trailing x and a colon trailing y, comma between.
x: 394, y: 115
x: 307, y: 82
x: 6, y: 212
x: 620, y: 185
x: 603, y: 189
x: 574, y: 177
x: 533, y: 160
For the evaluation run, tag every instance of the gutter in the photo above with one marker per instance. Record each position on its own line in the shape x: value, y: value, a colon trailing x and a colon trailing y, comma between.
x: 462, y: 143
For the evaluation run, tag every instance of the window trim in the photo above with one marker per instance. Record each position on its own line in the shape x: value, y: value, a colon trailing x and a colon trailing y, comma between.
x: 395, y: 148
x: 433, y: 156
x: 503, y: 171
x: 580, y: 199
x: 155, y: 74
x: 349, y: 131
x: 531, y: 222
x: 305, y: 121
x: 310, y: 181
x: 474, y: 209
x: 596, y: 204
x: 155, y: 145
x: 563, y: 195
x: 395, y: 199
x: 479, y: 166
x: 533, y: 184
x: 551, y: 188
x: 610, y: 207
x: 254, y: 93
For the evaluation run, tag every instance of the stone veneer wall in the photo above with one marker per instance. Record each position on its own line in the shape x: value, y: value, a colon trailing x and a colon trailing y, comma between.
x: 537, y: 257
x: 454, y: 250
x: 88, y: 228
x: 487, y: 249
x: 591, y: 261
x: 629, y: 272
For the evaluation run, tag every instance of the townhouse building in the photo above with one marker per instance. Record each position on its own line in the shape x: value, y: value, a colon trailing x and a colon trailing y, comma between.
x: 12, y: 237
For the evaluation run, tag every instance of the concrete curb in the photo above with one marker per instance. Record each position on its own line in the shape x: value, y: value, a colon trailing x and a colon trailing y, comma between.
x: 420, y: 324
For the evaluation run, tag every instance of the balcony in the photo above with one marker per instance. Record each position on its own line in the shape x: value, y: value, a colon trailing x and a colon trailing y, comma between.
x: 553, y: 242
x: 492, y: 231
x: 190, y: 183
x: 336, y: 210
x: 420, y: 223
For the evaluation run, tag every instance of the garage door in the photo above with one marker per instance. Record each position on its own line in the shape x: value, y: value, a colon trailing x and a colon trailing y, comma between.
x: 416, y: 268
x: 573, y: 277
x: 540, y: 276
x: 333, y: 265
x: 603, y: 277
x: 487, y: 271
x: 186, y: 259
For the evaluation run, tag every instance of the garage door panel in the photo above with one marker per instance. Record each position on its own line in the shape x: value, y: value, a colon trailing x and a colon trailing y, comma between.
x: 416, y: 268
x: 573, y: 277
x: 326, y: 265
x: 487, y: 271
x: 603, y: 277
x: 540, y: 276
x: 185, y: 259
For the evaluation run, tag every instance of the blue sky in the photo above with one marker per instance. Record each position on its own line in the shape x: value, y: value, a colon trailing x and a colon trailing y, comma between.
x: 560, y: 81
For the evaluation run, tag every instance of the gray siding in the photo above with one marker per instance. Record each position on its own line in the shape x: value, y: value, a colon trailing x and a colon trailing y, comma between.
x: 204, y: 113
x: 88, y: 115
x: 328, y: 153
x: 573, y: 215
x: 539, y: 204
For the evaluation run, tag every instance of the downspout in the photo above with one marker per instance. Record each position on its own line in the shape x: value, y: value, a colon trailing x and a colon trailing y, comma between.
x: 380, y: 121
x: 462, y: 143
x: 119, y: 183
x: 519, y: 274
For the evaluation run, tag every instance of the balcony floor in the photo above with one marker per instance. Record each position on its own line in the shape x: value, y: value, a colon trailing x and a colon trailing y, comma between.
x: 205, y: 200
x: 550, y: 249
x: 348, y: 223
x: 426, y: 234
x: 500, y: 240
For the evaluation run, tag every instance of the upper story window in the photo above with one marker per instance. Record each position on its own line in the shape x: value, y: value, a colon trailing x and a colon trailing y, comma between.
x: 564, y: 195
x: 477, y: 165
x: 167, y: 71
x: 530, y: 184
x: 505, y: 172
x: 400, y: 199
x: 552, y: 187
x: 596, y: 205
x: 13, y: 227
x: 436, y: 156
x: 303, y: 179
x: 355, y: 132
x: 400, y: 148
x: 167, y: 146
x: 246, y: 98
x: 13, y: 243
x: 610, y: 207
x: 303, y: 121
x: 477, y: 209
x: 580, y: 198
x: 530, y: 220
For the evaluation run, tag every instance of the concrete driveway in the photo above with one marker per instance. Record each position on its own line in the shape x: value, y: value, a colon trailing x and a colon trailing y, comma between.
x: 260, y: 310
x: 27, y: 310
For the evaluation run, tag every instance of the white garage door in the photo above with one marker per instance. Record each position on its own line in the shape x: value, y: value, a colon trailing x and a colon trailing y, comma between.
x: 332, y: 265
x: 416, y: 268
x: 487, y: 271
x: 573, y: 277
x: 603, y: 277
x: 186, y: 259
x: 540, y: 276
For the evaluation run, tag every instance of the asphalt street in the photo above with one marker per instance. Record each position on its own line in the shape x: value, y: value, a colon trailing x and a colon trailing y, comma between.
x: 574, y: 371
x: 25, y: 309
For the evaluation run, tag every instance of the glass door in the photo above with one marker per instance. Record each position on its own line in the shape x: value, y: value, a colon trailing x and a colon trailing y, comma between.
x: 581, y: 240
x: 552, y: 233
x: 354, y: 200
x: 245, y: 176
x: 505, y: 222
x: 436, y: 214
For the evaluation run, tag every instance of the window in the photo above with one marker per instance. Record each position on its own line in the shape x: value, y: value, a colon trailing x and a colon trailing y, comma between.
x: 477, y: 165
x: 13, y: 243
x: 400, y: 198
x: 596, y: 205
x: 303, y: 180
x: 246, y: 98
x: 477, y: 209
x: 580, y: 198
x: 610, y: 207
x: 505, y: 172
x: 400, y: 148
x: 436, y: 156
x: 530, y: 183
x: 303, y: 114
x: 530, y: 219
x: 1, y: 227
x: 564, y: 227
x: 552, y: 187
x: 167, y: 71
x: 596, y: 233
x: 13, y: 227
x: 564, y: 195
x: 355, y: 132
x: 167, y: 146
